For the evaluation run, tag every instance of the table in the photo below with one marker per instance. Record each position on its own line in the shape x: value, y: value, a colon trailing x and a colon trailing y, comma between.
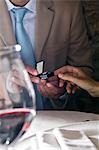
x: 46, y: 120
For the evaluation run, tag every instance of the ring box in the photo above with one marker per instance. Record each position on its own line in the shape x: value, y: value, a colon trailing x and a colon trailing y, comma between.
x: 43, y: 75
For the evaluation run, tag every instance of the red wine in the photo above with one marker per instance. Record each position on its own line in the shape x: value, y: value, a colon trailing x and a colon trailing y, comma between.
x: 14, y: 123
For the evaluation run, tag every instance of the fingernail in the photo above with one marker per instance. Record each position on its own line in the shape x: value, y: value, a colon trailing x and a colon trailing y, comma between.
x: 68, y: 91
x: 35, y: 73
x: 61, y: 85
x: 60, y: 75
x: 48, y: 84
x: 73, y: 92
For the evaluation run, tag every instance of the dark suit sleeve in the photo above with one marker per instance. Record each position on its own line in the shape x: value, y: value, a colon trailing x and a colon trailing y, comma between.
x: 80, y: 53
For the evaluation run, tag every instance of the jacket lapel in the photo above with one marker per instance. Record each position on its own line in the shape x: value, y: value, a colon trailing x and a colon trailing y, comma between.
x: 45, y: 16
x: 6, y: 32
x: 44, y: 21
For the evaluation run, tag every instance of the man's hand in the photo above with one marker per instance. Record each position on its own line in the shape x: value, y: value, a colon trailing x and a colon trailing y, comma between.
x: 33, y: 74
x: 51, y: 88
x: 4, y: 97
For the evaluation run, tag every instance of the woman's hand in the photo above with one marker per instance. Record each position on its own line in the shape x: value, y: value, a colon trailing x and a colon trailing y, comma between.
x: 81, y: 79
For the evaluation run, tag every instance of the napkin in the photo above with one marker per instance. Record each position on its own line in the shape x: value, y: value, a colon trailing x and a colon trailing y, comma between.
x: 57, y: 139
x: 62, y: 139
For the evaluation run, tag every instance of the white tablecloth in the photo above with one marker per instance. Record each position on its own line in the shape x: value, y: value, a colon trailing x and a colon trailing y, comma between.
x: 46, y: 120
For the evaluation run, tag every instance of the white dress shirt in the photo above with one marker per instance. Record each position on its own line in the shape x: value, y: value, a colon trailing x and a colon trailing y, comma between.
x: 28, y: 20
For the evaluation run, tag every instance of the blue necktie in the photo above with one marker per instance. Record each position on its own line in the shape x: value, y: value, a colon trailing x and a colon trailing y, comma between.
x: 22, y: 38
x: 27, y: 52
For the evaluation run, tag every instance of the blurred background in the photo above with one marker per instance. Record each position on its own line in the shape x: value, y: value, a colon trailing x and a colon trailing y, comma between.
x: 91, y: 15
x: 84, y: 102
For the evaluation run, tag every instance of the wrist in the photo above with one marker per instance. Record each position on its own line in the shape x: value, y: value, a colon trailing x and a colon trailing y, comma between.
x: 61, y: 102
x: 94, y: 91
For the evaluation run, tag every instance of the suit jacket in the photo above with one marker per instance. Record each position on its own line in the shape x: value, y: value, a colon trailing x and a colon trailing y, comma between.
x: 60, y: 33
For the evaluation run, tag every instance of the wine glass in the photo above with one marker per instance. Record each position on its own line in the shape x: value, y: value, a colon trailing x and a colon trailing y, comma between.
x: 17, y: 96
